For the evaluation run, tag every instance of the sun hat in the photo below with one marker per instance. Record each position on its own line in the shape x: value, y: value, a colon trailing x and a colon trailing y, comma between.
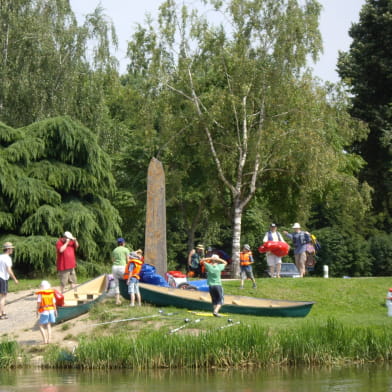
x: 134, y: 255
x: 200, y: 246
x: 45, y: 285
x: 69, y: 235
x: 247, y: 247
x: 215, y: 257
x: 8, y: 245
x: 296, y: 226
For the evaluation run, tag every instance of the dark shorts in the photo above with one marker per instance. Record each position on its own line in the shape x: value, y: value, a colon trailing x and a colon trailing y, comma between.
x: 216, y: 293
x: 3, y: 286
x: 246, y: 272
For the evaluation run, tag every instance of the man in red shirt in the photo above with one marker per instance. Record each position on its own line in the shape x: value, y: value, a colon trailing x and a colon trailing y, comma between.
x: 66, y: 259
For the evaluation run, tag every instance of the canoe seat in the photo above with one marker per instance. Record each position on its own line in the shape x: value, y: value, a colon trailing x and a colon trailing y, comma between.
x: 70, y: 302
x: 236, y: 302
x: 89, y: 296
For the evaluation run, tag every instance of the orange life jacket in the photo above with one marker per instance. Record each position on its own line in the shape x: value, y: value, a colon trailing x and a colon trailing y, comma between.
x: 137, y: 267
x: 245, y: 258
x: 47, y: 297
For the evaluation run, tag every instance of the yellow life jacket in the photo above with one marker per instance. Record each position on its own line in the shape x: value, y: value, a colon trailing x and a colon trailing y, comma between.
x: 47, y: 297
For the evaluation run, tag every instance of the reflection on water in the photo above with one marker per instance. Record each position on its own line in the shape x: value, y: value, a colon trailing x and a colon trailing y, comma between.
x: 358, y: 379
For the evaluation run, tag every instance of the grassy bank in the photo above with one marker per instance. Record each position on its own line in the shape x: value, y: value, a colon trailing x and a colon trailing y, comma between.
x: 348, y: 324
x: 314, y: 344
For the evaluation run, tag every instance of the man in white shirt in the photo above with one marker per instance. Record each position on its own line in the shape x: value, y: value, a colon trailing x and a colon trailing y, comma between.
x: 5, y: 273
x: 274, y: 262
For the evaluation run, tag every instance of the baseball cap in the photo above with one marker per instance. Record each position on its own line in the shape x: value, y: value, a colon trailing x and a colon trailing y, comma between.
x: 120, y: 240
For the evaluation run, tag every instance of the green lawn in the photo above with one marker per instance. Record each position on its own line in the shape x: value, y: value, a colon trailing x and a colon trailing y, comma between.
x: 355, y: 301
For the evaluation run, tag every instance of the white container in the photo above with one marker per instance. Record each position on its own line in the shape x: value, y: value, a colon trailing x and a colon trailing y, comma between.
x: 389, y: 297
x: 389, y: 306
x: 325, y: 269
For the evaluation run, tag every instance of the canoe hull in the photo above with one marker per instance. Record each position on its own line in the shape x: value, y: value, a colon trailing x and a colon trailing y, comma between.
x: 81, y: 299
x: 194, y: 300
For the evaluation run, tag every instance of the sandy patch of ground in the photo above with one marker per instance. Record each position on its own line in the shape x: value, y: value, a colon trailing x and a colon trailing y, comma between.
x: 22, y: 323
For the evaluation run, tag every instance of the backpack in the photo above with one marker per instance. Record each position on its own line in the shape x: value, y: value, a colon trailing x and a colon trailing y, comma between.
x: 316, y: 244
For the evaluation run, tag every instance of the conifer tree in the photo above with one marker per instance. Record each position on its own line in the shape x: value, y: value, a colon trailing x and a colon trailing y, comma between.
x: 55, y: 177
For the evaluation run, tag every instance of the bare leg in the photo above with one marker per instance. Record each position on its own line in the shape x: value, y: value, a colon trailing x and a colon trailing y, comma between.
x: 217, y: 308
x: 44, y: 333
x: 49, y: 331
x: 118, y: 301
x: 132, y: 299
x: 139, y: 299
x: 272, y: 271
x: 278, y: 267
x: 2, y: 303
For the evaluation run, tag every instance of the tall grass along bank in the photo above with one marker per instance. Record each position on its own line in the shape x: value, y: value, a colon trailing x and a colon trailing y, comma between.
x: 313, y: 344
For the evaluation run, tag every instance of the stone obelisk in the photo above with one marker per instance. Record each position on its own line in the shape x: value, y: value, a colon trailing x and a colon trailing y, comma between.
x: 155, y: 251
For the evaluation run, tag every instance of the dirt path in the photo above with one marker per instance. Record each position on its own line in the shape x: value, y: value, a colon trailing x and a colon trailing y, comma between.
x: 22, y: 322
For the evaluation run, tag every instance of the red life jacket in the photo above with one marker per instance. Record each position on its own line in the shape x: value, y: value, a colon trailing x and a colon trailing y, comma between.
x: 245, y: 258
x: 46, y: 303
x: 137, y: 267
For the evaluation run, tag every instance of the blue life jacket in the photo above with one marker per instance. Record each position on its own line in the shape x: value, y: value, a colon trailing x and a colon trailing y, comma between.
x: 270, y: 236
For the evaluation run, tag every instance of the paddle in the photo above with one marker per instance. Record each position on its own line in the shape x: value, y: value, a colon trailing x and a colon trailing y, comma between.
x: 161, y: 313
x: 187, y: 321
x: 229, y: 325
x: 18, y: 299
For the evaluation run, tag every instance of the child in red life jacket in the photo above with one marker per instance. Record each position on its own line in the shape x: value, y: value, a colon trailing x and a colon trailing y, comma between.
x: 132, y: 276
x: 46, y: 310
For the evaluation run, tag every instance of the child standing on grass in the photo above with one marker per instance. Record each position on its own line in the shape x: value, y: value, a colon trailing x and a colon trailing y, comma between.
x: 46, y: 310
x: 132, y: 276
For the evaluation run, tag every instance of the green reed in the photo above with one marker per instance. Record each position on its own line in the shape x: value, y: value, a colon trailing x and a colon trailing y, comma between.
x: 240, y: 346
x: 10, y: 354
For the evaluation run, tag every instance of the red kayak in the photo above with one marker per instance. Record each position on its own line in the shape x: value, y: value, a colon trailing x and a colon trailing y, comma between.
x: 278, y: 248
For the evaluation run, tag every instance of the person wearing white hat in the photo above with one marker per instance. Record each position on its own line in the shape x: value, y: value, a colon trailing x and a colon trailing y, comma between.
x: 5, y: 273
x: 66, y: 260
x: 46, y: 310
x: 214, y: 266
x: 300, y: 240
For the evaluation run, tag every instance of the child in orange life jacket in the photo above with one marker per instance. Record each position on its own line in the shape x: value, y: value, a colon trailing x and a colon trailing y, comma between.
x: 246, y: 261
x: 46, y: 309
x: 132, y: 276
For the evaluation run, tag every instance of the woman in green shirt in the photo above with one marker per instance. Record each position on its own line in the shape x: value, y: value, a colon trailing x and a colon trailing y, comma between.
x: 214, y: 265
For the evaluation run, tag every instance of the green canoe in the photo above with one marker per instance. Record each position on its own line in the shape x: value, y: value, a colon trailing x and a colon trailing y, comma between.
x: 80, y: 300
x: 199, y: 300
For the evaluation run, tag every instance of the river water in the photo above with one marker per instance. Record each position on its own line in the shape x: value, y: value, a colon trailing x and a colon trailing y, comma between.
x: 345, y: 379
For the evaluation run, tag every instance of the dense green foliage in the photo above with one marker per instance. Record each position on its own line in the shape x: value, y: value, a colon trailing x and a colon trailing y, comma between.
x: 241, y: 93
x: 55, y: 177
x: 366, y: 68
x: 223, y: 96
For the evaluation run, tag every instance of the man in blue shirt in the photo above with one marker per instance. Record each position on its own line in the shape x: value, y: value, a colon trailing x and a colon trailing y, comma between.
x: 300, y: 239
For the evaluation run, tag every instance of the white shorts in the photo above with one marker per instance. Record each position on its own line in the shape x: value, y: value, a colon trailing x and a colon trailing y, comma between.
x: 272, y: 259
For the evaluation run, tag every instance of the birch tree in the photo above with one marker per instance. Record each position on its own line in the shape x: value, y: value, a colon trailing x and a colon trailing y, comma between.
x: 240, y: 68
